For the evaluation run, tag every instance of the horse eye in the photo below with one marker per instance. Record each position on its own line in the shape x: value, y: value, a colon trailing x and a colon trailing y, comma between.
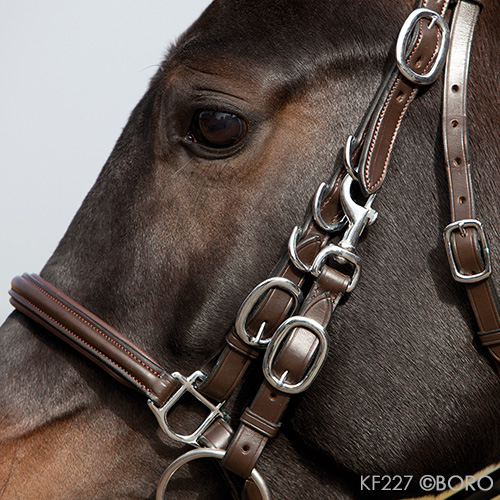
x: 217, y: 129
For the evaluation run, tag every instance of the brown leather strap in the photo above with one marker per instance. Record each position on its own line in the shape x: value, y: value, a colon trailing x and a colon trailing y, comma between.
x: 466, y: 249
x: 385, y: 121
x: 236, y: 357
x: 261, y: 420
x: 233, y: 362
x: 57, y: 312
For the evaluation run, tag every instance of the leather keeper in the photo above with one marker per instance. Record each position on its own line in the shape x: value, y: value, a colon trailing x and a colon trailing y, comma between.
x: 260, y: 424
x: 332, y: 281
x: 217, y: 435
x: 239, y: 346
x: 489, y: 338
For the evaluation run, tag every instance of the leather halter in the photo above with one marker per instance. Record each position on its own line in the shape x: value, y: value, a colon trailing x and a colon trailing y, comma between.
x: 286, y: 315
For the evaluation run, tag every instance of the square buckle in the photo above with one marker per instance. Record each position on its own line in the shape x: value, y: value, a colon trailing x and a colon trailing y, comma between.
x: 187, y: 385
x: 461, y: 225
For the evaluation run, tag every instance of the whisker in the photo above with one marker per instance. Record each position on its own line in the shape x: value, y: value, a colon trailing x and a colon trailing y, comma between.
x: 183, y: 166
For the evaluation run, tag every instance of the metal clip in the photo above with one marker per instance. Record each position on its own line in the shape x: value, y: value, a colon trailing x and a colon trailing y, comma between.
x: 406, y: 38
x: 187, y: 385
x: 359, y: 216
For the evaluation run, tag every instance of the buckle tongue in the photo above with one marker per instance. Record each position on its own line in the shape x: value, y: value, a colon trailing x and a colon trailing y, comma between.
x: 187, y: 385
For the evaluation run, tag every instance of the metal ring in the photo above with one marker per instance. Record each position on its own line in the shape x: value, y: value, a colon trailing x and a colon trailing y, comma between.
x: 253, y: 297
x: 205, y: 453
x: 348, y: 157
x: 316, y: 211
x: 292, y: 251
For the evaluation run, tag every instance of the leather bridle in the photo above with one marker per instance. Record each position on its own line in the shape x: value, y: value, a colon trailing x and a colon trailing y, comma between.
x: 285, y: 316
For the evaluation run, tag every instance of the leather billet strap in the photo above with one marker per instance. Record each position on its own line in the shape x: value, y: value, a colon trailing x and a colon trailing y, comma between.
x: 379, y: 130
x: 464, y: 238
x: 262, y: 419
x: 237, y: 356
x: 233, y: 362
x: 90, y: 335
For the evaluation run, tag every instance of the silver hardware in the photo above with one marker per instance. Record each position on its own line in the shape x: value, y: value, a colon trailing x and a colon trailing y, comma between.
x: 343, y: 256
x: 253, y: 297
x: 404, y: 43
x: 348, y: 157
x: 283, y: 377
x: 461, y: 225
x: 275, y: 345
x: 205, y: 453
x: 292, y: 250
x: 359, y: 216
x: 187, y: 385
x: 316, y: 211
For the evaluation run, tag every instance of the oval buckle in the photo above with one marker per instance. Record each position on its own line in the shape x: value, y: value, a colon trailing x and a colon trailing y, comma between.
x: 253, y: 297
x: 406, y: 39
x: 205, y: 453
x: 275, y: 345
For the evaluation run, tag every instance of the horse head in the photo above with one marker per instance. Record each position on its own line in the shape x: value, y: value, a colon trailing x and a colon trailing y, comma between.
x: 246, y: 115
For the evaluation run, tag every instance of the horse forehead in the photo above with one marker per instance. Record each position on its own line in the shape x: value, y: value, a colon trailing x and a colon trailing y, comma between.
x: 283, y: 30
x: 259, y: 38
x: 291, y: 45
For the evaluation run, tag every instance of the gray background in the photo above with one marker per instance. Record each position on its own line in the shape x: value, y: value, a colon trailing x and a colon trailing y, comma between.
x: 70, y: 74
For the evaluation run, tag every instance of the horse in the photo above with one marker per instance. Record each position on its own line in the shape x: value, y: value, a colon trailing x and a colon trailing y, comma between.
x: 186, y: 218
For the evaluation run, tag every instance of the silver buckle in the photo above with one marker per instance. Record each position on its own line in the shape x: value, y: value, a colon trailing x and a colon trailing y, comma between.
x: 406, y: 39
x: 253, y: 297
x: 205, y: 453
x: 461, y: 225
x: 275, y: 345
x: 187, y: 385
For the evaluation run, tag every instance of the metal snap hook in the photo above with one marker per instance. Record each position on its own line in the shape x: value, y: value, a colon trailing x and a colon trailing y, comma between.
x: 359, y: 216
x: 205, y: 453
